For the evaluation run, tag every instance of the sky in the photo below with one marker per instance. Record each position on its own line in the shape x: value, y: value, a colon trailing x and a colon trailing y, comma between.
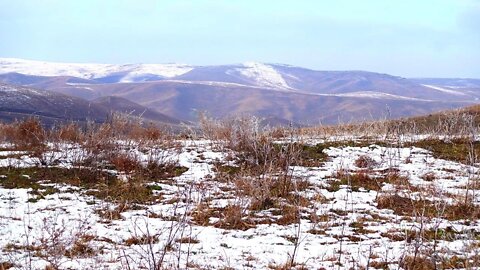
x: 411, y: 38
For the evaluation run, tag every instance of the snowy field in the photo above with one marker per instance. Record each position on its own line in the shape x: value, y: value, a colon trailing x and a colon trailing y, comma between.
x: 358, y: 207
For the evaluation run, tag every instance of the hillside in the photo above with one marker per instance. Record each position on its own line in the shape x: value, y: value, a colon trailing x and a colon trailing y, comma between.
x: 20, y: 102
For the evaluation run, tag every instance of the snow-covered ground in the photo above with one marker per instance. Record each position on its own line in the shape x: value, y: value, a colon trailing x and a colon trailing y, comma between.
x: 341, y: 228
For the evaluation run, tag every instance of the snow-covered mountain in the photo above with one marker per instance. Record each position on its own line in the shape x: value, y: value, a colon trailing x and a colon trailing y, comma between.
x: 250, y: 73
x: 269, y: 90
x: 276, y: 77
x: 124, y: 73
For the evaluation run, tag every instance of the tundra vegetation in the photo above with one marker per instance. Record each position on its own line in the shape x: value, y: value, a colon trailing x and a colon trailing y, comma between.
x: 232, y: 194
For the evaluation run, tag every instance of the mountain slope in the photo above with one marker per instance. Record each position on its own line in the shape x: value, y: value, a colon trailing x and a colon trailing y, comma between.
x: 122, y: 105
x: 468, y: 88
x: 20, y: 102
x: 449, y: 82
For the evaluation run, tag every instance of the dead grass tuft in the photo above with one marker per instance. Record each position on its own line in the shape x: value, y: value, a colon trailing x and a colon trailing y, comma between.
x: 201, y: 214
x: 417, y: 263
x: 81, y: 248
x: 141, y: 240
x: 233, y: 217
x: 456, y: 149
x: 429, y: 176
x: 290, y: 215
x: 357, y: 181
x: 187, y: 240
x: 6, y: 265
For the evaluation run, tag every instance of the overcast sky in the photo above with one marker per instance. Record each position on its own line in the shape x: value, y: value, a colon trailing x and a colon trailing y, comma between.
x: 412, y: 38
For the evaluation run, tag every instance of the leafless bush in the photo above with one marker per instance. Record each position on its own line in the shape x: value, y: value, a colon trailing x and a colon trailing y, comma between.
x: 255, y: 147
x: 150, y: 247
x: 28, y: 135
x: 365, y: 162
x: 69, y: 133
x: 57, y: 242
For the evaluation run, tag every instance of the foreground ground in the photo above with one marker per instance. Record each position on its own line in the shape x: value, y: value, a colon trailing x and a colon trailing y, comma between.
x: 215, y: 204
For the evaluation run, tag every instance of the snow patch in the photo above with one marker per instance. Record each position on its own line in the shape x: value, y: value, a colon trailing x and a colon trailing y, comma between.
x: 377, y: 95
x: 263, y: 75
x: 445, y: 90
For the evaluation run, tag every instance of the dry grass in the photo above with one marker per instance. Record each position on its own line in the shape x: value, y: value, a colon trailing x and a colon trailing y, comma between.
x: 70, y: 133
x: 456, y: 149
x: 417, y: 263
x: 421, y: 207
x: 187, y: 240
x: 125, y: 163
x: 141, y: 240
x: 201, y: 214
x: 105, y: 146
x: 27, y: 134
x: 81, y: 247
x: 234, y: 217
x: 429, y: 176
x: 364, y: 179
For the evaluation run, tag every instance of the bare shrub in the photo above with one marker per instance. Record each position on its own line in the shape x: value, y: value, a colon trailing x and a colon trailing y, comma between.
x: 28, y: 135
x: 57, y: 241
x: 365, y: 161
x: 153, y: 246
x: 125, y: 162
x: 70, y: 133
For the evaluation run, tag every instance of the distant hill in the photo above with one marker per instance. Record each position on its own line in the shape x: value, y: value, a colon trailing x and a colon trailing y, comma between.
x: 276, y: 91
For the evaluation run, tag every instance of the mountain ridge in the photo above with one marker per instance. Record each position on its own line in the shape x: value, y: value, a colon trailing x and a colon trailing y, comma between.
x: 281, y: 91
